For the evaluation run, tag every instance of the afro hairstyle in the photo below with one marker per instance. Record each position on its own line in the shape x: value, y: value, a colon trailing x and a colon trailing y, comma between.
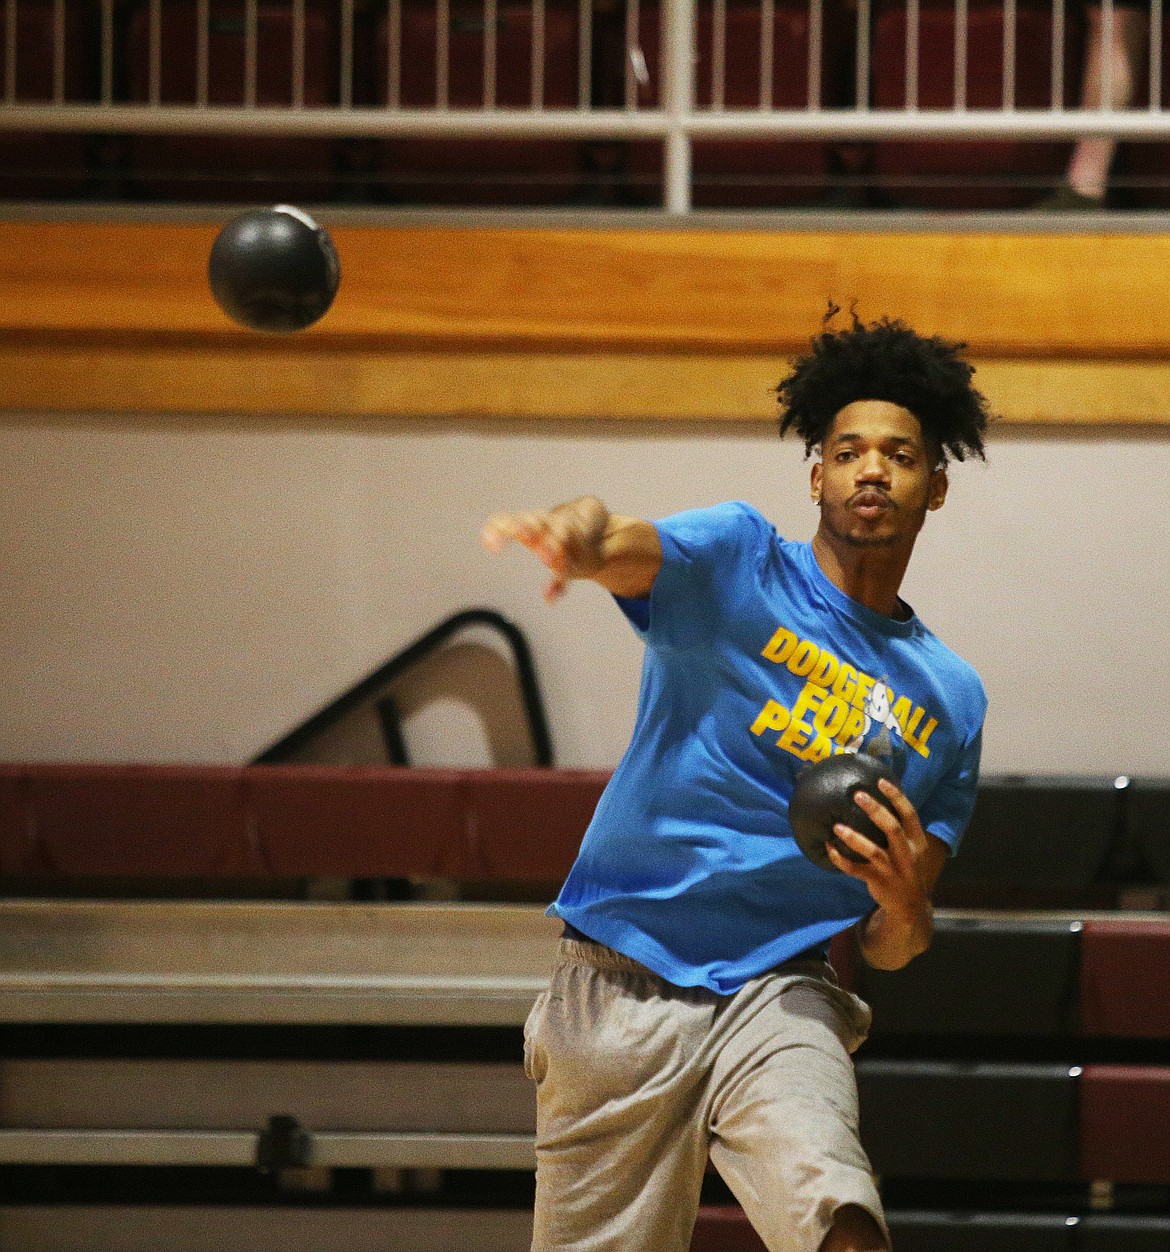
x: 885, y: 360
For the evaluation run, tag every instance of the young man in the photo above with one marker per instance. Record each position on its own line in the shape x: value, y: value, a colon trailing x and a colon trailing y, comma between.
x: 693, y: 1011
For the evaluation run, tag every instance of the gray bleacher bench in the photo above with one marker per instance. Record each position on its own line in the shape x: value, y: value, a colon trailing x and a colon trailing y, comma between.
x: 269, y: 963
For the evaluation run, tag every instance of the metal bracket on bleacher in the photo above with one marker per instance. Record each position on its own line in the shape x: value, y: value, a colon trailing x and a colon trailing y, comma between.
x: 285, y: 1144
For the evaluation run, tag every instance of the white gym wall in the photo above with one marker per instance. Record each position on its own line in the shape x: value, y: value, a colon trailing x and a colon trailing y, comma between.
x: 189, y: 591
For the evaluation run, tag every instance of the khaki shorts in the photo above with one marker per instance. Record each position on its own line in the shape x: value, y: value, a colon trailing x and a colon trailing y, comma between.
x: 639, y: 1081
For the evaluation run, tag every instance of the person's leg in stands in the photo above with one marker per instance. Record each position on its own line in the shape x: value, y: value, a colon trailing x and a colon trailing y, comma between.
x: 1112, y: 72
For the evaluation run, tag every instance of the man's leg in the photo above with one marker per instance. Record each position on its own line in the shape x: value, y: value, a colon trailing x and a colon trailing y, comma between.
x: 784, y: 1118
x: 620, y: 1146
x: 854, y: 1230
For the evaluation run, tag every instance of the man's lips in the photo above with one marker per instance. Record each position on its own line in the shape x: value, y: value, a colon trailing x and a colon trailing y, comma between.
x: 870, y: 504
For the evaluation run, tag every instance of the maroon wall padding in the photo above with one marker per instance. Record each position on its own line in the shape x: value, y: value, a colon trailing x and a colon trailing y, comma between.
x: 43, y: 165
x: 119, y: 820
x: 294, y: 820
x: 527, y: 824
x: 359, y: 822
x: 1125, y: 1110
x: 742, y: 173
x: 193, y: 167
x: 17, y: 849
x: 982, y: 162
x: 481, y: 170
x: 1125, y: 977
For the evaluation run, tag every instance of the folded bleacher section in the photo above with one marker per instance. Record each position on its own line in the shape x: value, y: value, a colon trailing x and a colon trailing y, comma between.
x: 210, y: 1037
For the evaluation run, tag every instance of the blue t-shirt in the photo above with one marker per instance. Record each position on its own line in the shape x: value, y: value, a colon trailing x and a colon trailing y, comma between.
x: 755, y: 665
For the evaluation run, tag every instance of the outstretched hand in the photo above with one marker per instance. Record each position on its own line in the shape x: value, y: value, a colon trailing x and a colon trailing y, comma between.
x: 568, y: 539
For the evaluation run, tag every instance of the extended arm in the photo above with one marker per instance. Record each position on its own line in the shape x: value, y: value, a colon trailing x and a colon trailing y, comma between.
x: 583, y: 539
x: 900, y: 877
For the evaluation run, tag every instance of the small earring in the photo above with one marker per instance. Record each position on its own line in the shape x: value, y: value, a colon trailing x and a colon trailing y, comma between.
x: 816, y: 499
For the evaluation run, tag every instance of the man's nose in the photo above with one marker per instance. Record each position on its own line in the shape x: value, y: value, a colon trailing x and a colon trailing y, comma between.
x: 872, y: 468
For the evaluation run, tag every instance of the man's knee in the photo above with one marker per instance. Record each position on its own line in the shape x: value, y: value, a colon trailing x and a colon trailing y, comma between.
x: 854, y: 1230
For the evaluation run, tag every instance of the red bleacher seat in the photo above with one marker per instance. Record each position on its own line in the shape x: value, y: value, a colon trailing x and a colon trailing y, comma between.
x: 743, y: 173
x: 1125, y: 977
x: 225, y: 167
x: 141, y: 820
x: 982, y: 174
x: 325, y: 821
x: 480, y: 171
x: 527, y: 824
x: 33, y: 165
x: 1124, y: 1112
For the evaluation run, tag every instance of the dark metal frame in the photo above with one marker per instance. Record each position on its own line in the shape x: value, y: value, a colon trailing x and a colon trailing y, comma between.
x: 284, y: 750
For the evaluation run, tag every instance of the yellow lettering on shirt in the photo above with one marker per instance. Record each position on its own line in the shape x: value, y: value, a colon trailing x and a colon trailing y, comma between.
x: 831, y: 715
x: 825, y: 670
x: 772, y: 716
x: 804, y: 657
x: 918, y: 742
x: 846, y: 682
x: 835, y: 704
x: 779, y: 646
x: 794, y: 738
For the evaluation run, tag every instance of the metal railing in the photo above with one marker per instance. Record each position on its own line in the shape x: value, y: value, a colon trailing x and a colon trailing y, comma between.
x: 351, y: 68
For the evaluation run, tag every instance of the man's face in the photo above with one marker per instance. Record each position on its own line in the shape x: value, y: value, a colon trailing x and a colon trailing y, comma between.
x: 877, y: 477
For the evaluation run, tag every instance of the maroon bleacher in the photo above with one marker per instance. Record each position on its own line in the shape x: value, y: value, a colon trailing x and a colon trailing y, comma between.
x: 480, y: 171
x: 745, y: 173
x: 1124, y: 1112
x: 34, y: 165
x: 17, y: 851
x: 227, y: 167
x: 1125, y: 977
x: 973, y: 174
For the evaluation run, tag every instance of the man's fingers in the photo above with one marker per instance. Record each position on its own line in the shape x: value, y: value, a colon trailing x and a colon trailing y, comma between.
x: 901, y: 804
x: 854, y: 869
x: 532, y: 530
x: 878, y: 813
x: 555, y: 589
x: 856, y: 841
x: 905, y: 841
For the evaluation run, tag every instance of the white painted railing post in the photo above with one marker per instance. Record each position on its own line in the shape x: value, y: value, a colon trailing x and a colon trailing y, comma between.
x: 678, y: 98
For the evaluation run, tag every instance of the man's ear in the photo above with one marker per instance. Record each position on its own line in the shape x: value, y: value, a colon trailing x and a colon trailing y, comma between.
x: 816, y: 481
x: 939, y: 482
